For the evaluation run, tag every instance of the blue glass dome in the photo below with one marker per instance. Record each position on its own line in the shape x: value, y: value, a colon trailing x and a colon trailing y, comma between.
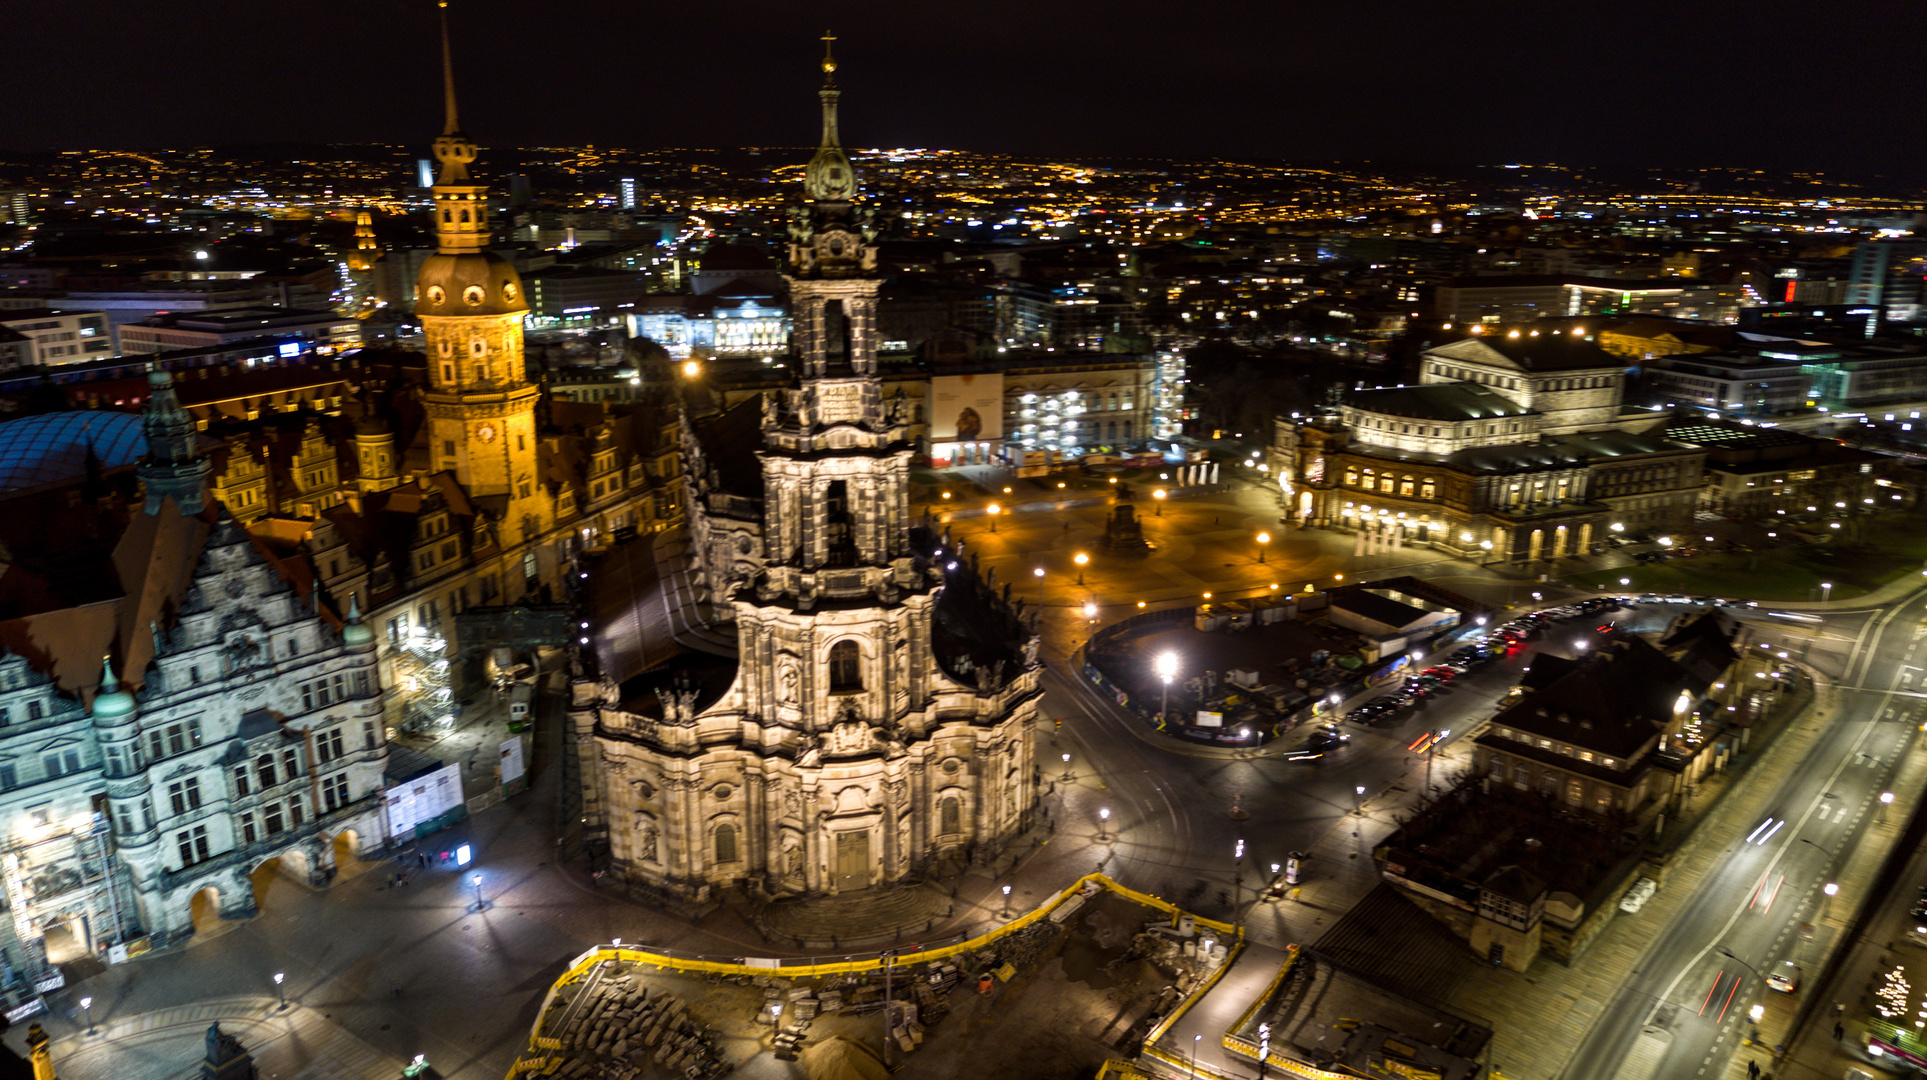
x: 52, y: 447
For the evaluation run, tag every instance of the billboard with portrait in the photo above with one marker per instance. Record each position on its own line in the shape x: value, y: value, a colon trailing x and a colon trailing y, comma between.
x: 966, y: 408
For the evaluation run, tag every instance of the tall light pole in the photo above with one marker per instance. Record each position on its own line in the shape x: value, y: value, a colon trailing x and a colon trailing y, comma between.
x: 1886, y: 800
x: 1159, y: 496
x: 278, y: 992
x: 1167, y: 669
x: 1080, y: 559
x: 1103, y: 823
x: 887, y: 956
x: 1194, y: 1055
x: 1826, y: 590
x: 1006, y: 901
x: 993, y: 510
x: 480, y: 904
x: 87, y: 1006
x: 1264, y: 538
x: 1067, y: 767
x: 1829, y: 891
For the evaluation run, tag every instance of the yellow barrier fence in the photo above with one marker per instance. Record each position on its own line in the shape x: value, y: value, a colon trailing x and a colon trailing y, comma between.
x: 628, y: 954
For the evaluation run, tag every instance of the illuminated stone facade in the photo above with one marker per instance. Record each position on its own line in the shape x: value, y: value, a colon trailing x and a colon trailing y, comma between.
x: 877, y: 709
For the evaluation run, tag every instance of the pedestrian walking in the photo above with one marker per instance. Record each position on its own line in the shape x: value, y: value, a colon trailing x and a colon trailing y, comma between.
x: 421, y: 860
x: 1838, y: 1030
x: 1752, y: 1070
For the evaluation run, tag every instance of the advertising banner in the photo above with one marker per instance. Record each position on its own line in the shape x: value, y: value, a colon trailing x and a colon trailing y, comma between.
x: 966, y: 408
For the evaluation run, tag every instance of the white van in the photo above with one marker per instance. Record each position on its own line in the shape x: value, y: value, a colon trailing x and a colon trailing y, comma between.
x: 1636, y: 897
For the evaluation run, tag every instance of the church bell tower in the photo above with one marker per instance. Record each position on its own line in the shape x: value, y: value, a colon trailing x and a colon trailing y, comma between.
x: 480, y: 404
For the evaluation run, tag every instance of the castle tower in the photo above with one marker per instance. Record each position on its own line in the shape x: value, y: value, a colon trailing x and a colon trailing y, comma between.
x: 171, y: 467
x: 480, y: 404
x: 366, y: 250
x: 857, y: 742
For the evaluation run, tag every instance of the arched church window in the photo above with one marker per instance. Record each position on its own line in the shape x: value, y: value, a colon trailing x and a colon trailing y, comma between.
x: 846, y: 667
x: 725, y: 843
x: 949, y: 816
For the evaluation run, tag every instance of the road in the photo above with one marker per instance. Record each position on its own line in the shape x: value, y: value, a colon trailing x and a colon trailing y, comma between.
x: 1687, y: 1003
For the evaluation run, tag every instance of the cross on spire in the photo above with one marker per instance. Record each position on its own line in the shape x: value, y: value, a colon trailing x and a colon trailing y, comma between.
x: 829, y: 58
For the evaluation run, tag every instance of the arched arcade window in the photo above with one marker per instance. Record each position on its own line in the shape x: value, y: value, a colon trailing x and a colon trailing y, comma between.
x: 846, y: 667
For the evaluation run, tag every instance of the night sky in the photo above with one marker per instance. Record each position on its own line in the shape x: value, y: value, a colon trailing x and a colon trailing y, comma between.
x: 1773, y: 85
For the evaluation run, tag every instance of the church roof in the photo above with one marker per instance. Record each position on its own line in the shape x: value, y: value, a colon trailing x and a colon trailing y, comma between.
x: 52, y: 447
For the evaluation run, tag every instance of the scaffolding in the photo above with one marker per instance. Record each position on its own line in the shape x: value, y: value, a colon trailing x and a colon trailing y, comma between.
x: 422, y: 676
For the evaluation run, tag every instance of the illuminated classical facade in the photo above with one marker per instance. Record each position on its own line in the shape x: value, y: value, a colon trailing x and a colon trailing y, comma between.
x: 1508, y: 449
x: 874, y: 710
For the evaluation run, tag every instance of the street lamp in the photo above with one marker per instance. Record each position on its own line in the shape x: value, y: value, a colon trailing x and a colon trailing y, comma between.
x: 480, y: 904
x: 1358, y: 800
x: 1159, y: 496
x: 1263, y: 539
x: 1828, y: 891
x: 993, y: 510
x: 1067, y: 766
x: 1006, y: 901
x: 1826, y: 590
x: 1090, y: 610
x: 691, y: 369
x: 87, y: 1006
x: 278, y: 992
x: 1167, y: 669
x: 1753, y: 1017
x: 1886, y: 800
x: 1080, y: 559
x: 1103, y: 822
x: 1194, y: 1055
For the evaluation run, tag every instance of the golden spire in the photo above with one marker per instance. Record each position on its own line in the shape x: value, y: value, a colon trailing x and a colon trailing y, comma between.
x: 448, y: 76
x: 453, y: 149
x: 829, y: 177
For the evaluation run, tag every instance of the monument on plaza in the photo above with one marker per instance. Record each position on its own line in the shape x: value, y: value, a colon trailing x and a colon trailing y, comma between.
x: 802, y: 693
x: 1122, y: 530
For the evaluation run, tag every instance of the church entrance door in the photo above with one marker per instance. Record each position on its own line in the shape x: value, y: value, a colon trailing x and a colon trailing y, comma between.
x: 852, y: 860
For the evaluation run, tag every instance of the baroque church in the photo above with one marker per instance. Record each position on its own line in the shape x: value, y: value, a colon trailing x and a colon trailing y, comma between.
x: 799, y: 692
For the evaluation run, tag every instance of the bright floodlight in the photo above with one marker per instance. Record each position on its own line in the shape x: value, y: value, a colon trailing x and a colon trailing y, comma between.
x: 1167, y: 666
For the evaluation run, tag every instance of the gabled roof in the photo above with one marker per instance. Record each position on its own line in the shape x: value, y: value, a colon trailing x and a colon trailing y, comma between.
x: 1437, y: 401
x: 1529, y: 352
x: 1614, y: 701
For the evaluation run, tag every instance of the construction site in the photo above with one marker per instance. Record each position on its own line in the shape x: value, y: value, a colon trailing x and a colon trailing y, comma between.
x: 1056, y: 992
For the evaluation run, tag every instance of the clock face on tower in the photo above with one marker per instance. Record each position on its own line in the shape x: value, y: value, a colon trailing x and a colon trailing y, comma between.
x: 485, y: 433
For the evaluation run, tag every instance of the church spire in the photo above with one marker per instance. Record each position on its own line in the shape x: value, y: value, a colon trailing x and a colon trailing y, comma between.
x: 830, y: 178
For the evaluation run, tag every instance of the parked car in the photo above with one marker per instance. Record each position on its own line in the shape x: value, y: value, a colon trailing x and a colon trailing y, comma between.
x: 1636, y: 897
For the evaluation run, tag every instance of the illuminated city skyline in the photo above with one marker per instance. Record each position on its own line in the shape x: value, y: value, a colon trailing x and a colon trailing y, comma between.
x: 1398, y: 82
